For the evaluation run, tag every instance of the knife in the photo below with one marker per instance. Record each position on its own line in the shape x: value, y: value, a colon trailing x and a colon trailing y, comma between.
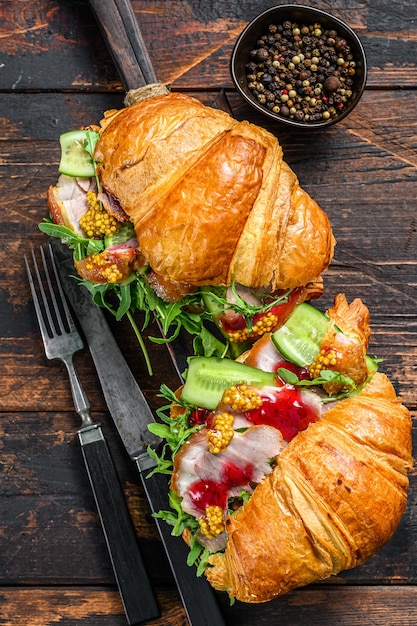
x: 132, y: 414
x: 120, y: 30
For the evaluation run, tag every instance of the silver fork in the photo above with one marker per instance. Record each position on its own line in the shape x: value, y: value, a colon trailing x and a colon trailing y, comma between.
x: 61, y: 341
x: 60, y: 337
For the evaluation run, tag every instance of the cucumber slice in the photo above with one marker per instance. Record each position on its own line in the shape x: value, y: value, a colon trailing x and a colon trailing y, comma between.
x: 212, y: 305
x: 75, y: 160
x: 125, y: 232
x: 300, y: 337
x: 207, y: 378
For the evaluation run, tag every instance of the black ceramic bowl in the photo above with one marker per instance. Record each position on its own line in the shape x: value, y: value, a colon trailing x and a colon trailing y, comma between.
x: 247, y: 43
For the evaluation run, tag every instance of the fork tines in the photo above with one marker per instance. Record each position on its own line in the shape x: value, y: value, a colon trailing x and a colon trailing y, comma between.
x: 51, y: 308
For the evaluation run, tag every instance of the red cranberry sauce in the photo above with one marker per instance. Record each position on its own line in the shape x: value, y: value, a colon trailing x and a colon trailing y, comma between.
x: 204, y: 493
x: 284, y: 410
x: 211, y: 493
x: 198, y: 417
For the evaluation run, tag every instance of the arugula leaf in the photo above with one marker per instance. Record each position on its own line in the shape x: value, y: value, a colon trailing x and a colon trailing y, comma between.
x: 287, y: 376
x: 326, y: 376
x: 125, y: 300
x: 180, y: 521
x: 167, y: 393
x: 176, y: 517
x: 242, y: 307
x: 81, y: 245
x: 92, y: 137
x: 163, y: 464
x: 177, y: 430
x: 242, y: 498
x: 206, y: 344
x: 173, y: 316
x: 198, y: 556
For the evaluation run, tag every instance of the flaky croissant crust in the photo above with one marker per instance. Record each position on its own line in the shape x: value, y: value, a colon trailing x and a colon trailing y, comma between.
x: 211, y: 198
x: 334, y: 499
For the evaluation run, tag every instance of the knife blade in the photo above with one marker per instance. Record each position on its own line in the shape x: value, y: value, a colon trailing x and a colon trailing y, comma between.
x: 132, y: 414
x: 126, y: 403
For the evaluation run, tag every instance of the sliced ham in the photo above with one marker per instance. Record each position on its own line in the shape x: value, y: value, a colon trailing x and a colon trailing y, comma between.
x: 246, y: 293
x: 125, y: 257
x: 166, y: 289
x: 67, y: 201
x: 264, y: 355
x: 244, y: 463
x: 113, y: 206
x: 87, y: 184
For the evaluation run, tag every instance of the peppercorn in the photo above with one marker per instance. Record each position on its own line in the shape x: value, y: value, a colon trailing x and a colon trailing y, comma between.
x: 301, y: 71
x: 266, y: 79
x: 262, y: 54
x: 332, y: 83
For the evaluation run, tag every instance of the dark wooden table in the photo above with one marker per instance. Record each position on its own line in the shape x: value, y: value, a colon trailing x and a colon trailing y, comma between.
x: 55, y: 75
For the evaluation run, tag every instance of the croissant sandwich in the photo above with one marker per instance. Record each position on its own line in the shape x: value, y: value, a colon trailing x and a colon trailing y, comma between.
x: 292, y: 462
x: 183, y: 200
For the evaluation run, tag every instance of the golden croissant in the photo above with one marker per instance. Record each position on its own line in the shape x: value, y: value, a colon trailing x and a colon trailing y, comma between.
x: 211, y: 198
x: 335, y: 497
x: 198, y: 201
x: 336, y: 489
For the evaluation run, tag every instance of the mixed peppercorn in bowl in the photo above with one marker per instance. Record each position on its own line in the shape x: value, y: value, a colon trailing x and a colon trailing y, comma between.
x: 300, y: 66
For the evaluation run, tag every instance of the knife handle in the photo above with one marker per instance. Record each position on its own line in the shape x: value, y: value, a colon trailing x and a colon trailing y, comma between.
x: 124, y: 40
x: 135, y: 589
x: 196, y: 593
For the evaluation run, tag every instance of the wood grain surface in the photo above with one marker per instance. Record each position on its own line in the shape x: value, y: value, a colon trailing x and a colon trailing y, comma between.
x: 56, y: 75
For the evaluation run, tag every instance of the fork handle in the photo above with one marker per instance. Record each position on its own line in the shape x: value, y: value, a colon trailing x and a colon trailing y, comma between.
x: 81, y: 403
x: 133, y: 582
